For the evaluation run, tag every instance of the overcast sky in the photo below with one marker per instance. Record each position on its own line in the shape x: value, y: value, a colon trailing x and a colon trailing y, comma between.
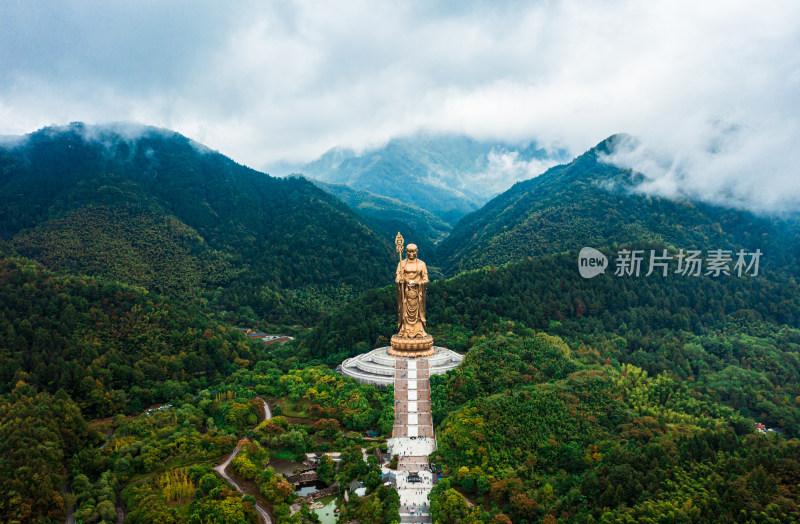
x: 712, y: 89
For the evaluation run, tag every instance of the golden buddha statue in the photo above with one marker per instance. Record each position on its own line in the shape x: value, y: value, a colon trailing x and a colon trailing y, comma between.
x: 411, y: 279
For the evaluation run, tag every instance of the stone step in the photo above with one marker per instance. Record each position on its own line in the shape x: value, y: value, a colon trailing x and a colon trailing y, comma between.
x: 406, y: 516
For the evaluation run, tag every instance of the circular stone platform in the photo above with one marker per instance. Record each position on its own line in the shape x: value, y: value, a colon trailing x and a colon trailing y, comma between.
x: 377, y: 366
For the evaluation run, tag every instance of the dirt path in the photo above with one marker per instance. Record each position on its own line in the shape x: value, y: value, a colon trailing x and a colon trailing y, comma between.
x: 219, y: 469
x: 222, y: 467
x: 120, y: 507
x: 71, y: 510
x: 267, y: 411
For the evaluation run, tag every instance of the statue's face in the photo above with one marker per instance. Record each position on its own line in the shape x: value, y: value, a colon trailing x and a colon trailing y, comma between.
x: 411, y: 254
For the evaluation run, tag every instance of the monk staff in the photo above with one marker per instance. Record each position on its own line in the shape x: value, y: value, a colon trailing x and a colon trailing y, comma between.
x: 398, y: 241
x: 401, y: 290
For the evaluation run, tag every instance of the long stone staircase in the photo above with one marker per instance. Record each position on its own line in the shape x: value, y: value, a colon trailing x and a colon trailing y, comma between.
x: 412, y: 437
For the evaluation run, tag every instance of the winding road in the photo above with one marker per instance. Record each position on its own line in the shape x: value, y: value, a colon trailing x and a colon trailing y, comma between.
x: 71, y: 510
x: 221, y: 470
x: 267, y: 412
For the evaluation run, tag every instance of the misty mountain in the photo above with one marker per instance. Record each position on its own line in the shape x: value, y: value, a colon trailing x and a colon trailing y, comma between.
x: 151, y: 208
x: 591, y: 203
x: 390, y: 216
x: 447, y: 175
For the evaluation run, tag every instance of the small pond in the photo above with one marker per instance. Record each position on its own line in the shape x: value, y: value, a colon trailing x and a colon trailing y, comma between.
x: 309, y: 488
x: 326, y: 513
x: 283, y: 466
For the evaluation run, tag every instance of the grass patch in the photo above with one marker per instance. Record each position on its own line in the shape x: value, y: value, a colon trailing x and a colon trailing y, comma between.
x: 283, y: 454
x: 294, y: 409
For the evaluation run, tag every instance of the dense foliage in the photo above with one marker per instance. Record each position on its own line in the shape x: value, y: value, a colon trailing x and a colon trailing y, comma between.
x: 389, y: 215
x: 160, y: 461
x: 615, y: 399
x: 111, y: 347
x: 556, y: 435
x: 252, y: 465
x: 39, y: 433
x: 319, y: 393
x: 186, y: 495
x: 160, y: 211
x: 380, y: 507
x: 115, y: 348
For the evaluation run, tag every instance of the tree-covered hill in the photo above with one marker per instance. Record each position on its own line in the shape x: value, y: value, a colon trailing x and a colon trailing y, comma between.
x: 616, y: 398
x: 533, y: 431
x: 151, y: 208
x: 447, y: 175
x: 112, y: 347
x: 591, y: 203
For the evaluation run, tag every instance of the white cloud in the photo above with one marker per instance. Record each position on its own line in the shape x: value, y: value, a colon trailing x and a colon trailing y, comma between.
x: 288, y: 80
x: 725, y: 164
x: 504, y: 168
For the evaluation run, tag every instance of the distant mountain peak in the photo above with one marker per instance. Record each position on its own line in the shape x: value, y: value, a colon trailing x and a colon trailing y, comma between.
x: 446, y: 174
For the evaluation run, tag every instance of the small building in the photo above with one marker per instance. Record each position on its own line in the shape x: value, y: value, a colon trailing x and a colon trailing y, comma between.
x: 761, y: 428
x: 389, y: 478
x: 355, y: 485
x: 313, y: 459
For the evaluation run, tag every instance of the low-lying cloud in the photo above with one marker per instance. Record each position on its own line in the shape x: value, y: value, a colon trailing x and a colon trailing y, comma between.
x: 730, y: 165
x: 504, y: 168
x: 709, y: 88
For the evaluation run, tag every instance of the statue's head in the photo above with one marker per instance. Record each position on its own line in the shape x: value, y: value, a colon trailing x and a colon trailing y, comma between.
x: 411, y: 251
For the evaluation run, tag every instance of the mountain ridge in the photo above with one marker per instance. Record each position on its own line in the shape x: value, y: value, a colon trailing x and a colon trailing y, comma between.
x: 391, y: 216
x: 72, y: 195
x: 588, y: 202
x: 448, y: 175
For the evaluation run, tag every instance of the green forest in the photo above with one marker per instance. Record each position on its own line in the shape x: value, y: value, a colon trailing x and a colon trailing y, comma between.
x: 735, y: 340
x: 112, y: 347
x: 127, y: 265
x: 554, y: 434
x: 158, y: 461
x: 165, y: 214
x: 389, y: 216
x: 634, y: 379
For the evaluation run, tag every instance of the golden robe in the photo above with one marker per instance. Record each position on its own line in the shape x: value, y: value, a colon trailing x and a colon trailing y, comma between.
x: 411, y: 298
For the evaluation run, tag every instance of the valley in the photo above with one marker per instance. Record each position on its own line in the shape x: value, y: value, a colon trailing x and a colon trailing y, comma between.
x: 128, y: 264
